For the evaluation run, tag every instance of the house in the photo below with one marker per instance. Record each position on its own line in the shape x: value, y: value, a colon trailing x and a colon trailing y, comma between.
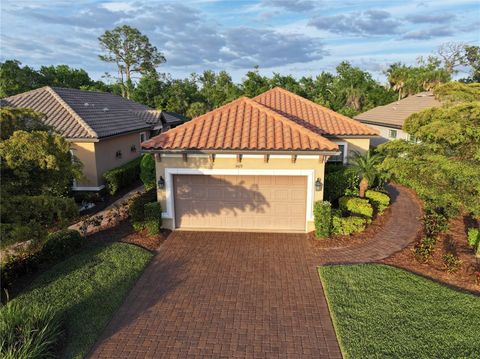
x: 161, y: 121
x: 253, y: 164
x: 105, y: 130
x: 389, y: 119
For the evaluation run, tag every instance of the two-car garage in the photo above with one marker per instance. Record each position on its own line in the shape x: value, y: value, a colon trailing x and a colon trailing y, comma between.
x: 240, y: 202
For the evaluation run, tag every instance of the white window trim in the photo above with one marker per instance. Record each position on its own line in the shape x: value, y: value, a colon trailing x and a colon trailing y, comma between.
x: 390, y: 130
x: 170, y: 172
x: 144, y: 135
x: 345, y: 151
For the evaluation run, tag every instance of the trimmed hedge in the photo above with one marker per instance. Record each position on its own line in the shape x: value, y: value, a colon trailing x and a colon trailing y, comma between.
x: 56, y: 247
x: 153, y: 217
x: 61, y: 244
x: 379, y: 200
x: 137, y: 208
x: 123, y: 176
x: 347, y: 225
x: 338, y: 181
x: 147, y: 171
x: 356, y: 206
x: 322, y: 213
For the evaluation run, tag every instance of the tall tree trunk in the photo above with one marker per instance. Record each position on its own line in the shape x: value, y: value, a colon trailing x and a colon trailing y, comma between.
x: 120, y: 79
x: 363, y: 187
x: 128, y: 80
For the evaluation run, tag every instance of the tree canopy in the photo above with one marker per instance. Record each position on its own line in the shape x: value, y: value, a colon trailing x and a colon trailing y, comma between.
x: 444, y: 165
x: 34, y: 160
x: 132, y: 52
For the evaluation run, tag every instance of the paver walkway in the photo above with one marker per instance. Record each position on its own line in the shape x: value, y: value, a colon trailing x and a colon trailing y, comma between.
x: 400, y: 230
x: 225, y: 295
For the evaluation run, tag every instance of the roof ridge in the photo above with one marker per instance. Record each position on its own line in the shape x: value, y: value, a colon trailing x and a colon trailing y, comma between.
x: 70, y: 110
x: 21, y: 94
x: 198, y: 118
x: 284, y: 119
x: 313, y: 103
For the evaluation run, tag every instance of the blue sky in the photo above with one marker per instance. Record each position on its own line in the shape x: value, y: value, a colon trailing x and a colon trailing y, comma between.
x: 298, y: 37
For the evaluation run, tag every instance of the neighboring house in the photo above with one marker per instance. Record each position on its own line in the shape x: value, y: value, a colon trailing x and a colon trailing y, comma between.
x: 253, y: 164
x: 161, y: 121
x: 105, y: 130
x: 389, y: 119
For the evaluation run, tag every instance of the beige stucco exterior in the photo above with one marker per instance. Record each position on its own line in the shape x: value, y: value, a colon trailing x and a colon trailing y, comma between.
x: 248, y: 162
x: 99, y: 157
x: 166, y: 163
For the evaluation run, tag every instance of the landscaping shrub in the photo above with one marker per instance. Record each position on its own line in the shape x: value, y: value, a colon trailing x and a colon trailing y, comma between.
x: 347, y: 225
x: 322, y: 213
x: 137, y: 208
x: 46, y: 210
x: 379, y: 200
x: 424, y: 248
x: 434, y: 221
x: 16, y: 266
x: 356, y: 205
x: 338, y: 181
x: 473, y: 237
x: 29, y: 332
x: 451, y: 262
x: 17, y: 233
x: 123, y: 176
x: 153, y: 217
x: 147, y: 171
x: 61, y: 244
x: 56, y: 247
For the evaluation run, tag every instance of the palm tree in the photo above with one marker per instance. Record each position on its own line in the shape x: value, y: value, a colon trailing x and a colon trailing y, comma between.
x: 365, y: 167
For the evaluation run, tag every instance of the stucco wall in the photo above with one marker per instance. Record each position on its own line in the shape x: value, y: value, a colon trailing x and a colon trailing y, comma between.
x: 353, y: 144
x: 106, y: 149
x: 302, y: 163
x: 85, y: 152
x: 385, y: 135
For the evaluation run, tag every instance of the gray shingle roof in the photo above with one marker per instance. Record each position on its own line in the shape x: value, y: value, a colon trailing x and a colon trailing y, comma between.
x: 396, y: 113
x: 82, y: 114
x: 173, y: 118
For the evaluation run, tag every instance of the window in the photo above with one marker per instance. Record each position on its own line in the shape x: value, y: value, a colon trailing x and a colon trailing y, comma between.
x: 392, y: 133
x: 340, y: 157
x: 142, y: 137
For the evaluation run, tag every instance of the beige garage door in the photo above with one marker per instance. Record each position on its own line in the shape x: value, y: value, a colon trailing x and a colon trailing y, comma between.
x: 262, y: 203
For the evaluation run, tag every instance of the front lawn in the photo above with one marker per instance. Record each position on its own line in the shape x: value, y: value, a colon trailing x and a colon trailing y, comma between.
x: 385, y: 312
x: 86, y: 289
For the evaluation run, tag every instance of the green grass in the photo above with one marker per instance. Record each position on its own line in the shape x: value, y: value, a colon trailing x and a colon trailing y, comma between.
x: 385, y: 312
x: 86, y: 289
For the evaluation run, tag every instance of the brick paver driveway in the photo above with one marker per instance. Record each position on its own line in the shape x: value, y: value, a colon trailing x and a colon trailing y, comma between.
x: 225, y: 295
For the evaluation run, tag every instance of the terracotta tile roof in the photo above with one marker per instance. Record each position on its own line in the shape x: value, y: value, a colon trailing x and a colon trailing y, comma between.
x: 82, y: 114
x: 312, y: 115
x: 395, y: 113
x: 241, y: 125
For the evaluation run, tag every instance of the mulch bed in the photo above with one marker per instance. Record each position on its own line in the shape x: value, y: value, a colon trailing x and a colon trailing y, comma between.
x: 344, y: 241
x: 124, y: 232
x: 464, y: 279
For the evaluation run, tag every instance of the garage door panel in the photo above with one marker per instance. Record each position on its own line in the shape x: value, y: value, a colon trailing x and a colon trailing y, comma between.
x: 240, y: 202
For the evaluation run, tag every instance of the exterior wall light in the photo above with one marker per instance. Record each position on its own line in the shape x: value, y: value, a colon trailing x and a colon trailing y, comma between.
x: 161, y: 183
x: 133, y: 148
x: 318, y: 185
